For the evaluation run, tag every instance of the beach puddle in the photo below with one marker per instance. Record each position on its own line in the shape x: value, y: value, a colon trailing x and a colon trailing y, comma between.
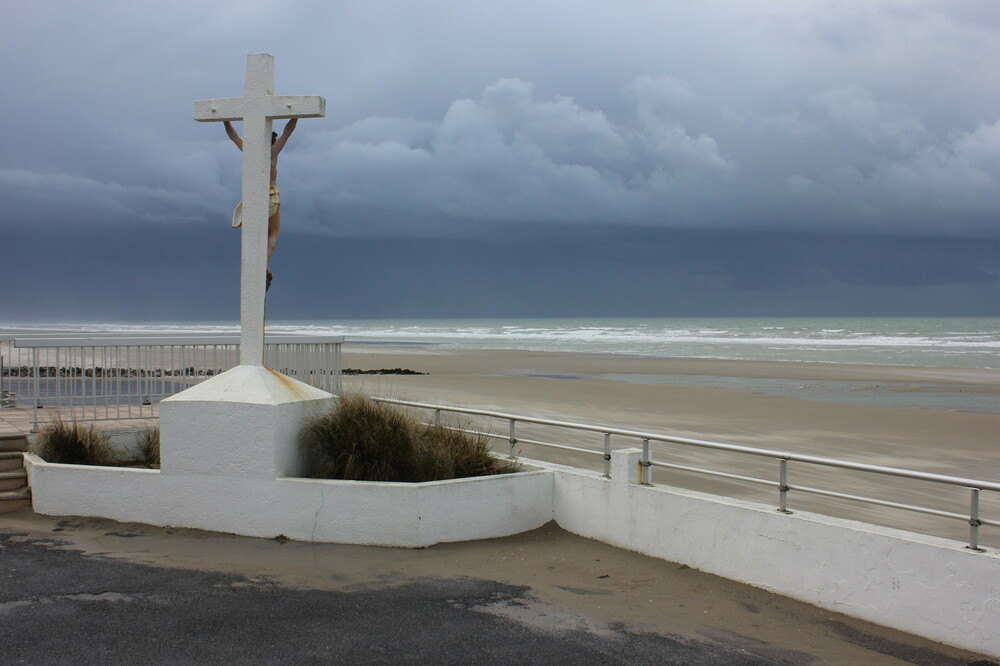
x: 920, y: 395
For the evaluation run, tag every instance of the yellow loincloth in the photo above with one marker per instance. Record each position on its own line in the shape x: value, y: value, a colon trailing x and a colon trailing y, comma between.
x: 273, y: 203
x: 274, y: 200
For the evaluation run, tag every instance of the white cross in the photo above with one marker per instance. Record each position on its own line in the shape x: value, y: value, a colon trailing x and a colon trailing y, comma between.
x: 257, y: 108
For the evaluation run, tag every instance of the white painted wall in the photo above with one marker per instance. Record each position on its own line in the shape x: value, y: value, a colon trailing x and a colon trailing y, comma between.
x: 382, y: 514
x: 920, y: 584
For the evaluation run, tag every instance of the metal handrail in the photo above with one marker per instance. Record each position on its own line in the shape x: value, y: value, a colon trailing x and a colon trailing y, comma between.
x: 824, y: 493
x: 783, y: 458
x: 769, y: 453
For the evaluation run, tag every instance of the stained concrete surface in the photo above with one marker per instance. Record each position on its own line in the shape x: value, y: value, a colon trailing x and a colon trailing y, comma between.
x: 96, y: 591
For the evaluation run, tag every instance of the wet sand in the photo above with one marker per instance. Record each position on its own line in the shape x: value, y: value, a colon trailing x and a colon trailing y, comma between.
x: 570, y: 387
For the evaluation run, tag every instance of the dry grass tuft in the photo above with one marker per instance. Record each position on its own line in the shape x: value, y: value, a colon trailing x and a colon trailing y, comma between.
x: 360, y: 440
x: 443, y: 453
x: 363, y: 440
x: 74, y: 444
x: 148, y: 447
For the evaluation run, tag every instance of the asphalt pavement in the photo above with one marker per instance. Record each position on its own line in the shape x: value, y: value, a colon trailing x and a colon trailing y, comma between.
x: 90, y: 591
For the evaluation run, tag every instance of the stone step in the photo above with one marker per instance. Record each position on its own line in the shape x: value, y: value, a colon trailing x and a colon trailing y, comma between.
x: 13, y: 443
x: 11, y: 460
x: 13, y: 480
x: 12, y: 500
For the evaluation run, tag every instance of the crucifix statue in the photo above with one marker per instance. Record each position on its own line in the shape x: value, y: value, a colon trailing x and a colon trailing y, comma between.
x: 258, y: 107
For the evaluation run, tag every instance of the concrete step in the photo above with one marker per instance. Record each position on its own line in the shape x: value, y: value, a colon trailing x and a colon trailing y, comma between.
x: 12, y: 500
x: 13, y: 480
x: 13, y: 443
x: 11, y: 461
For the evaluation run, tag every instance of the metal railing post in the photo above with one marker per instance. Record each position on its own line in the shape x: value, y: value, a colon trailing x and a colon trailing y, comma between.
x: 974, y: 521
x: 437, y: 417
x: 338, y: 366
x: 645, y: 471
x: 512, y: 438
x: 38, y: 400
x: 783, y: 485
x: 607, y: 455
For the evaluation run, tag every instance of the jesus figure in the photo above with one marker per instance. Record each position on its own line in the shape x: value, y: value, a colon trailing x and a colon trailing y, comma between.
x: 274, y: 200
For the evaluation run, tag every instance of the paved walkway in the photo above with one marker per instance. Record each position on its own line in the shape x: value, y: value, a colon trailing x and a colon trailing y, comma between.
x: 18, y: 420
x: 15, y: 420
x: 96, y: 591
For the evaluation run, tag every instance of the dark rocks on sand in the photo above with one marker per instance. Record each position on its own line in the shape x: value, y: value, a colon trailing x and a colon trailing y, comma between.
x: 382, y: 371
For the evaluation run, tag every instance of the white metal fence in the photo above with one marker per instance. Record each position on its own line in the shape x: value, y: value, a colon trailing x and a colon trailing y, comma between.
x: 112, y: 378
x: 778, y: 461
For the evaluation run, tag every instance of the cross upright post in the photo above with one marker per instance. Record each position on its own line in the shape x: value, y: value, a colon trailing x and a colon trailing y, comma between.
x: 258, y: 107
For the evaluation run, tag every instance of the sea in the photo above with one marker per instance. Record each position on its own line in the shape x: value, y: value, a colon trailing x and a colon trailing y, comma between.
x: 910, y: 341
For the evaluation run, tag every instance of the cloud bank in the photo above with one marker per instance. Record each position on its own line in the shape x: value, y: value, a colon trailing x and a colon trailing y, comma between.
x: 841, y: 159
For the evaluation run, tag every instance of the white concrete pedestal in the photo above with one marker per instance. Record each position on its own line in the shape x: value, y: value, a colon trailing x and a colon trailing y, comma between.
x: 242, y: 423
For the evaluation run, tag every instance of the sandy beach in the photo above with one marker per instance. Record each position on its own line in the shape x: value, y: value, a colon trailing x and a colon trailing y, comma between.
x: 575, y: 387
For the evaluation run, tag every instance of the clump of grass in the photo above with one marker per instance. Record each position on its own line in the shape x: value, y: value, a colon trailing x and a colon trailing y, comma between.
x: 74, y: 444
x: 443, y: 453
x: 364, y: 440
x: 148, y: 447
x: 360, y: 440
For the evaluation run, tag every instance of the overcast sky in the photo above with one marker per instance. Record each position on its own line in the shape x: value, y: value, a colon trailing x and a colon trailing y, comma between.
x: 511, y: 158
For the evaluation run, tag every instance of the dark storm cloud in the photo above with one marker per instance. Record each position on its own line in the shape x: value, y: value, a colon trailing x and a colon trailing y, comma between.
x: 452, y: 120
x: 157, y: 274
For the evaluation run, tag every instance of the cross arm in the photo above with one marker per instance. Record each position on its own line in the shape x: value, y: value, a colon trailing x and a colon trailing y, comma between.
x: 295, y: 106
x: 271, y: 106
x: 230, y: 108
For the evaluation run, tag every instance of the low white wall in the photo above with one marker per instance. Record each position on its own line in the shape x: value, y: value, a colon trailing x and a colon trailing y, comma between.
x: 920, y: 584
x: 383, y: 514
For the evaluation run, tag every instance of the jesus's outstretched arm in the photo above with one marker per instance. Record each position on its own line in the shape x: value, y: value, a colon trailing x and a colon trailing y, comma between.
x: 231, y: 131
x: 280, y: 143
